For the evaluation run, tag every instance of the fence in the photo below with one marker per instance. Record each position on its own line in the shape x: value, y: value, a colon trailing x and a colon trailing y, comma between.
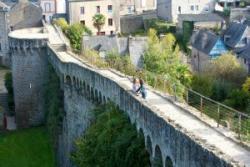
x: 225, y: 116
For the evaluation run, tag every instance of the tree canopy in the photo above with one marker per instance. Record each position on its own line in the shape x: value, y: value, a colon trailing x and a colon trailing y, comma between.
x: 226, y: 68
x: 99, y: 21
x: 113, y: 140
x: 163, y: 57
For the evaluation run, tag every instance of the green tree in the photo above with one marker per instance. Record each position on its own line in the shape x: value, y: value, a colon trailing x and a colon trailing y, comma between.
x: 246, y: 86
x: 113, y: 140
x: 203, y: 85
x: 162, y: 57
x: 75, y: 33
x: 61, y: 22
x: 98, y: 22
x: 226, y: 68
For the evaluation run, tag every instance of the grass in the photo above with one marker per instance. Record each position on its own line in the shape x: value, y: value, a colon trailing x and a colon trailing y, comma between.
x: 26, y: 148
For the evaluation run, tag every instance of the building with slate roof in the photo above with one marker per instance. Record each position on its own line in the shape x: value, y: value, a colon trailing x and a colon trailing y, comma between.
x: 13, y: 16
x: 243, y: 54
x: 170, y: 9
x: 205, y: 46
x: 237, y: 35
x: 132, y: 46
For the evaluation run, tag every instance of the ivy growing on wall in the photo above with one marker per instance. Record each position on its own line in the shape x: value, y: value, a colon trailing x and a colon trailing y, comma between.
x: 54, y: 106
x: 111, y: 141
x: 9, y: 86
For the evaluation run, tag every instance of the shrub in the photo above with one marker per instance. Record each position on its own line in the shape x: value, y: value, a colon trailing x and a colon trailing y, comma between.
x: 203, y: 85
x: 226, y: 68
x: 246, y: 86
x: 61, y: 22
x: 161, y: 26
x: 238, y: 99
x: 221, y: 90
x: 75, y: 33
x: 113, y: 140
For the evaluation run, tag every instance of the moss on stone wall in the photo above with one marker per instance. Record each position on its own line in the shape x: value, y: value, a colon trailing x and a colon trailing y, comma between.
x: 111, y: 141
x: 9, y: 86
x: 54, y: 106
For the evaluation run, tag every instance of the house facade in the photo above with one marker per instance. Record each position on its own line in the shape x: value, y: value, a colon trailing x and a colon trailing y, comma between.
x: 51, y: 8
x: 243, y: 55
x: 237, y: 35
x: 206, y: 46
x: 82, y: 11
x: 136, y: 6
x: 170, y: 9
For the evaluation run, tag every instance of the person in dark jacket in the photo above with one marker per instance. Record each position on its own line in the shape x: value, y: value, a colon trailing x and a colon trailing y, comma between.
x: 142, y: 89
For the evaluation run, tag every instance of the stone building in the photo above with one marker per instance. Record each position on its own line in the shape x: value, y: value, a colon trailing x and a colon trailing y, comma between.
x: 206, y: 46
x: 16, y: 16
x: 82, y: 11
x: 136, y: 6
x: 52, y: 8
x: 170, y: 9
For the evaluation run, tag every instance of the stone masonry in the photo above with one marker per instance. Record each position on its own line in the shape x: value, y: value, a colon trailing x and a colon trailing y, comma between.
x: 171, y: 132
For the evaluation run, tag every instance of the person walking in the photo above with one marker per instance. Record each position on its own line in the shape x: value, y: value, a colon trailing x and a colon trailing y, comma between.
x: 136, y: 85
x: 142, y: 89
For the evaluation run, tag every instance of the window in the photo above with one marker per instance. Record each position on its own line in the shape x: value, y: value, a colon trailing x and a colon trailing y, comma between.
x: 98, y: 9
x: 0, y: 47
x: 192, y: 7
x: 111, y: 32
x: 245, y: 61
x: 130, y: 10
x: 47, y: 7
x: 82, y: 22
x: 82, y: 10
x: 110, y: 8
x: 179, y: 9
x: 197, y: 7
x: 110, y: 22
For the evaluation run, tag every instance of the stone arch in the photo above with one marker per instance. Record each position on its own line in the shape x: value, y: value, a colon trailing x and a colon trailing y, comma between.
x: 157, y: 161
x: 74, y: 81
x: 168, y: 162
x: 104, y: 100
x: 92, y: 96
x: 77, y: 82
x: 88, y: 92
x: 149, y: 145
x: 100, y: 97
x: 68, y: 80
x: 96, y: 96
x: 141, y: 133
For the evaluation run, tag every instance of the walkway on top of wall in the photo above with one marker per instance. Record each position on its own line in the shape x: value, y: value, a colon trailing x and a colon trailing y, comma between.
x: 205, y: 134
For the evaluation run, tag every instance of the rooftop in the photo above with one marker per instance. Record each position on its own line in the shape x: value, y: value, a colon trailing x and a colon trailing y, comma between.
x: 29, y: 33
x: 208, y: 17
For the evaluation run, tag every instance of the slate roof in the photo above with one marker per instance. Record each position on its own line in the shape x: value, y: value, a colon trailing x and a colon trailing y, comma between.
x: 3, y: 6
x: 207, y: 17
x: 25, y: 14
x: 204, y: 41
x: 244, y: 52
x: 235, y: 32
x: 101, y: 43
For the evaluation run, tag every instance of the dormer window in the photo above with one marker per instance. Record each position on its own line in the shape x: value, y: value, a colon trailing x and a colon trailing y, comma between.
x: 226, y: 38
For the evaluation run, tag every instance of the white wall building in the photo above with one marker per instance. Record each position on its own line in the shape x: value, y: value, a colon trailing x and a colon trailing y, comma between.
x: 170, y: 9
x: 52, y: 7
x: 82, y: 11
x: 136, y: 6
